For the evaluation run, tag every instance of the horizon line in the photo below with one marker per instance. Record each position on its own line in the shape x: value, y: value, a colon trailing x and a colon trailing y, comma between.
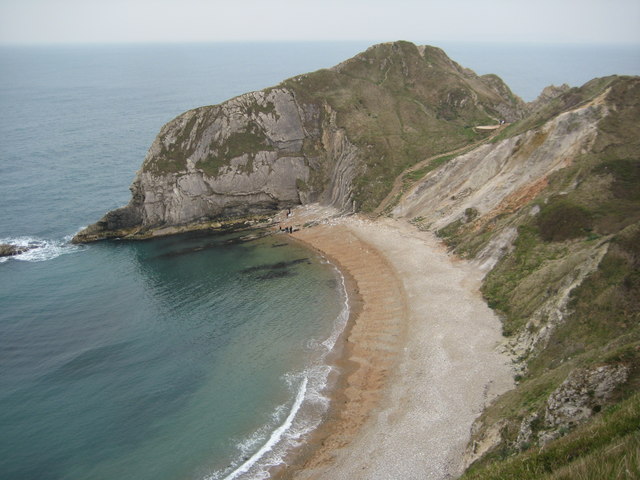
x: 434, y: 42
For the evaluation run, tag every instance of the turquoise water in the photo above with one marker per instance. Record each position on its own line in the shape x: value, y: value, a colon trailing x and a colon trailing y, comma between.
x: 166, y: 359
x: 190, y: 357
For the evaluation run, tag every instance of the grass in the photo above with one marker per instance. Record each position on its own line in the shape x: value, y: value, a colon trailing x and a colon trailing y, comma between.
x: 562, y: 219
x: 416, y: 175
x: 237, y: 144
x: 620, y: 460
x: 605, y: 307
x: 518, y: 285
x: 592, y: 205
x: 606, y: 446
x: 398, y: 107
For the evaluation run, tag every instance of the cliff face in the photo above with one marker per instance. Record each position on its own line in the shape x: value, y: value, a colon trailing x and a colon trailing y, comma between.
x: 335, y: 136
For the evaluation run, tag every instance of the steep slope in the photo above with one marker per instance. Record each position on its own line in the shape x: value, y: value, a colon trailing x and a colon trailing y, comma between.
x: 337, y: 136
x: 551, y: 210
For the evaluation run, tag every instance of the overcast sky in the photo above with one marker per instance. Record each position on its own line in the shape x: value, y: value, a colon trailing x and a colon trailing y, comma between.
x: 91, y: 21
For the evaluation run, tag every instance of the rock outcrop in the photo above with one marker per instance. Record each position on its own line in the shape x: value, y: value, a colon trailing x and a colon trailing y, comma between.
x: 335, y: 136
x: 578, y: 398
x: 547, y: 95
x: 8, y: 250
x: 581, y: 395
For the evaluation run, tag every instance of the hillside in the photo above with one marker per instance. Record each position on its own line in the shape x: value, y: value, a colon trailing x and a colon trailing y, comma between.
x: 550, y: 209
x: 338, y: 136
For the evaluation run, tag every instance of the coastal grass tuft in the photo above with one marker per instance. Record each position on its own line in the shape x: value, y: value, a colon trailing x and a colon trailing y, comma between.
x: 606, y: 446
x: 562, y: 219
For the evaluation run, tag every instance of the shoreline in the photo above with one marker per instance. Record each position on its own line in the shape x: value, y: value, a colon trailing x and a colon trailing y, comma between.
x: 381, y: 423
x: 361, y: 371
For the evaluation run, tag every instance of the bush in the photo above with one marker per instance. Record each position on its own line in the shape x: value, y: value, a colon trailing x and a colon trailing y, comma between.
x: 562, y: 220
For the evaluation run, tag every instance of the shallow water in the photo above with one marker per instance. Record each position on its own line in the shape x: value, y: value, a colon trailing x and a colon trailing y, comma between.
x: 174, y: 358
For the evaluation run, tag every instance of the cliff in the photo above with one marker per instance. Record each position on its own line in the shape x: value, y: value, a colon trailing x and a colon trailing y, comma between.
x: 337, y: 136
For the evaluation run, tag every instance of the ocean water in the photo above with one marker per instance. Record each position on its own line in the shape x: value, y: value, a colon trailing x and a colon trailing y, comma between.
x: 188, y: 357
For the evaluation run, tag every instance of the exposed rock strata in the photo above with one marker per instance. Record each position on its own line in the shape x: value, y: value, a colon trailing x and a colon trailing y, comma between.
x: 579, y: 397
x: 334, y: 136
x: 486, y: 178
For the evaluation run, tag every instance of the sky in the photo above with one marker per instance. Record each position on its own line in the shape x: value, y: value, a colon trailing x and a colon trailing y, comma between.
x: 135, y: 21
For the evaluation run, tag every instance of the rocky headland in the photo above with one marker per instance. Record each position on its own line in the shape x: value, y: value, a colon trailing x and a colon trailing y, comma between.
x: 337, y: 136
x: 546, y: 207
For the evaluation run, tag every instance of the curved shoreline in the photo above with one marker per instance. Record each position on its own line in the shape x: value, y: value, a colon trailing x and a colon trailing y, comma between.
x: 419, y: 359
x: 368, y: 349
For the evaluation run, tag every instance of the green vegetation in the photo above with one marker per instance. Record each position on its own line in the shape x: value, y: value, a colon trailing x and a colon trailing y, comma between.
x: 563, y: 220
x: 586, y: 220
x: 239, y: 143
x: 399, y: 107
x: 608, y: 447
x: 521, y: 282
x: 416, y: 175
x: 255, y: 108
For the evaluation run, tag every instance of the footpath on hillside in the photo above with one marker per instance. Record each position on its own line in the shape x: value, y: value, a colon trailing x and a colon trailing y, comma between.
x: 400, y: 183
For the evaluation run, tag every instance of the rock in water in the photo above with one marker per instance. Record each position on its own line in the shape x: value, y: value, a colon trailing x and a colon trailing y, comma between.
x: 8, y: 250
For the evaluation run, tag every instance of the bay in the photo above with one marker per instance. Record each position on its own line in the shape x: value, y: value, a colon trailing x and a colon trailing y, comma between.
x: 177, y: 358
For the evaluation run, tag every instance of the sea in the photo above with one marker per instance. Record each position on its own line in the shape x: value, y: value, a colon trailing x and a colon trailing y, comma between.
x: 190, y: 357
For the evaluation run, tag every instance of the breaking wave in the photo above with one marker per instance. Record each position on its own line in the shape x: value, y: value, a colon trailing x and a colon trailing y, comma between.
x: 269, y: 446
x: 39, y: 250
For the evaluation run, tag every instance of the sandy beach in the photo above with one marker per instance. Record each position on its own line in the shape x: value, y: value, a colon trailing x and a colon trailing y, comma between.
x: 420, y: 359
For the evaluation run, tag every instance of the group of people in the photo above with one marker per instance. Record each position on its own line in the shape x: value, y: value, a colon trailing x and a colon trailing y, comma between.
x: 287, y: 229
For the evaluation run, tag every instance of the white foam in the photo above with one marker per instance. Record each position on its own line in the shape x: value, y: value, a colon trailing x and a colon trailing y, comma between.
x: 343, y: 316
x: 39, y: 250
x: 275, y: 436
x: 310, y: 398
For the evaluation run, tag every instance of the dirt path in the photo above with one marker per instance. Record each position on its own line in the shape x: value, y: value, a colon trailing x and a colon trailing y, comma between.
x: 399, y: 181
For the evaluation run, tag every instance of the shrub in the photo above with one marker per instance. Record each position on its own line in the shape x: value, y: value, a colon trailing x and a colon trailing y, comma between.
x: 562, y: 220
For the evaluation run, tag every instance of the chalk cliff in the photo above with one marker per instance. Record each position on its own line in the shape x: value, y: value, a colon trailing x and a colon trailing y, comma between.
x: 337, y: 136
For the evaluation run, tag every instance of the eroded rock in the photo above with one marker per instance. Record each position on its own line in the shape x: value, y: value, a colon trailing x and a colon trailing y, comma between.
x: 9, y: 250
x: 582, y: 394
